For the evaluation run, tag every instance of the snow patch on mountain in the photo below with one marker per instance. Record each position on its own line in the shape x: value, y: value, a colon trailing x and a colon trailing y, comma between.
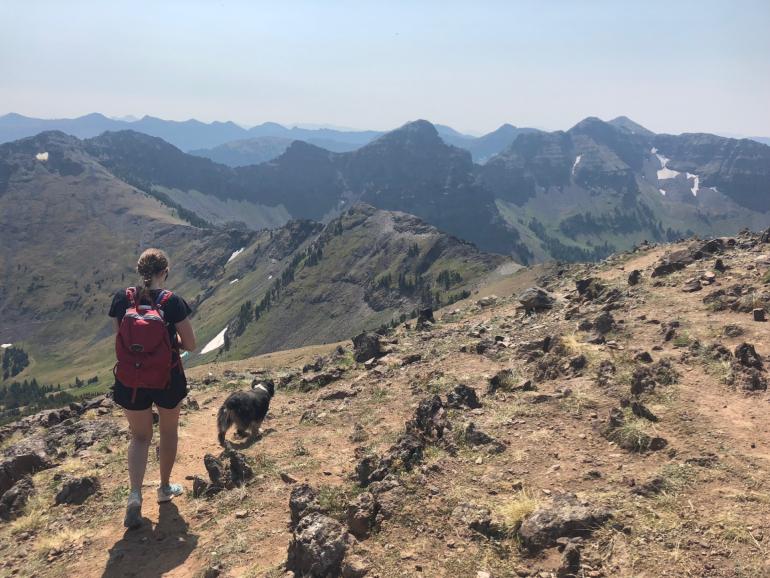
x: 235, y: 254
x: 575, y: 164
x: 696, y: 183
x: 664, y: 173
x: 215, y: 343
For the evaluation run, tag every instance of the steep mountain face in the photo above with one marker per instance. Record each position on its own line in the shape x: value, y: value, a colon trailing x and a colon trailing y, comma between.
x: 410, y: 169
x: 366, y: 268
x: 738, y: 168
x: 601, y: 187
x: 71, y: 230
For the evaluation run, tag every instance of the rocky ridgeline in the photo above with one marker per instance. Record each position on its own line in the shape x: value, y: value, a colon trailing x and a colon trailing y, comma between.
x: 578, y: 333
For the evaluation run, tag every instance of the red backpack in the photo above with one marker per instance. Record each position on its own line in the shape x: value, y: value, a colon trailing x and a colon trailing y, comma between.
x: 143, y: 346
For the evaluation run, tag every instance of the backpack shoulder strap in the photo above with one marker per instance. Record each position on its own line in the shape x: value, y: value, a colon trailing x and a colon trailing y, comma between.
x: 131, y: 296
x: 163, y: 298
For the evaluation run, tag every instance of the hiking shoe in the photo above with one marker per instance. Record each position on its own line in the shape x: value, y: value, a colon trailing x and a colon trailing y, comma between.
x: 133, y: 517
x: 169, y: 492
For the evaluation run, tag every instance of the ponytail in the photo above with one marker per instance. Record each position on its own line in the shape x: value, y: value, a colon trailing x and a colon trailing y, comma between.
x: 151, y: 262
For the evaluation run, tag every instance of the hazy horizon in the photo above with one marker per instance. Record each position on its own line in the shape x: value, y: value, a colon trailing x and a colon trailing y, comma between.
x: 672, y: 67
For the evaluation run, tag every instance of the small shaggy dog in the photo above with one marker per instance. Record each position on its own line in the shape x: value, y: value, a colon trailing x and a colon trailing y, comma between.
x: 245, y: 410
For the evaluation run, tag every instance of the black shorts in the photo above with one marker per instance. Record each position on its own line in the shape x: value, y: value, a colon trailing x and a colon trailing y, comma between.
x: 167, y: 398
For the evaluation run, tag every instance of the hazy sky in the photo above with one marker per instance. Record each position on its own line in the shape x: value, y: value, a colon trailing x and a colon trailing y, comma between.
x: 673, y: 66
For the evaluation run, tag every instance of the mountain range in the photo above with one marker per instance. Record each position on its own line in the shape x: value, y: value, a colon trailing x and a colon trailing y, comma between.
x: 316, y: 245
x: 71, y: 230
x: 233, y: 145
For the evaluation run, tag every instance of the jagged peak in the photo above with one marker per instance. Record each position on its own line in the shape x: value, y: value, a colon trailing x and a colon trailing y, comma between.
x: 625, y: 123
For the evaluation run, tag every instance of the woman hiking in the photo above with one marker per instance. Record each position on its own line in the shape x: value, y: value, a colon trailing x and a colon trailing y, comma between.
x: 152, y: 326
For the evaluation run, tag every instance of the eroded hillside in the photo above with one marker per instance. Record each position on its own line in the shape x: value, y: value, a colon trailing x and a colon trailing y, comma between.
x: 617, y: 415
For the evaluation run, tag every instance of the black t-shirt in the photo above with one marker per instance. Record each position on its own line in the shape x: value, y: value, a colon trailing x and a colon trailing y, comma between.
x: 175, y: 310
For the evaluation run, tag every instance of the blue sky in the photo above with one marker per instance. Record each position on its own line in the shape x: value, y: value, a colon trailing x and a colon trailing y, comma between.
x: 673, y: 66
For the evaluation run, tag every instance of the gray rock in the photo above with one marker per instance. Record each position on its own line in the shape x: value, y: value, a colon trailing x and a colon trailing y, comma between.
x: 303, y: 500
x: 77, y: 490
x: 536, y: 299
x: 362, y: 515
x: 463, y: 396
x: 317, y: 548
x: 367, y: 345
x: 13, y: 501
x: 563, y: 516
x: 604, y: 323
x: 14, y: 468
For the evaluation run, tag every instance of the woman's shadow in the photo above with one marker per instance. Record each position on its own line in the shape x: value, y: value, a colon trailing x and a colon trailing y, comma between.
x: 151, y: 551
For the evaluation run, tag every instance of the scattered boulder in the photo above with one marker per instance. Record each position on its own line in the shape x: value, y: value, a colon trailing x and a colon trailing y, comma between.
x: 564, y: 516
x: 225, y: 477
x: 760, y: 314
x: 317, y: 547
x: 634, y: 277
x: 605, y: 372
x: 362, y: 515
x: 604, y: 323
x: 430, y: 419
x: 13, y: 501
x: 461, y: 397
x: 536, y: 299
x: 302, y: 501
x: 747, y: 356
x: 590, y: 288
x: 732, y: 330
x: 368, y: 345
x: 570, y: 559
x: 425, y: 318
x: 643, y: 357
x: 692, y: 285
x: 487, y: 301
x: 77, y: 490
x: 14, y: 468
x: 476, y: 438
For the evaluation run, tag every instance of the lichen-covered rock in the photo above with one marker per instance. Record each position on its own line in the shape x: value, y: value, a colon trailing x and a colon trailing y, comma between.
x: 317, y: 547
x: 303, y: 500
x: 564, y: 515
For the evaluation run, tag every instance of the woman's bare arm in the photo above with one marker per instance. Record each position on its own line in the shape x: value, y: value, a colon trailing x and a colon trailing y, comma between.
x: 116, y: 324
x: 186, y: 335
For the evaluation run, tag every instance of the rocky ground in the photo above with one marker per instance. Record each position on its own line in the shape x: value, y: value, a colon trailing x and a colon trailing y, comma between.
x: 590, y: 421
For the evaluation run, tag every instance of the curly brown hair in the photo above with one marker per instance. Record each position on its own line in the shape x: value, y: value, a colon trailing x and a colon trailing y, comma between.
x: 150, y: 263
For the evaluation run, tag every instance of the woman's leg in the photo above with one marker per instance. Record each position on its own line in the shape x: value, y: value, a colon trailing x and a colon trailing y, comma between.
x: 140, y: 423
x: 169, y: 427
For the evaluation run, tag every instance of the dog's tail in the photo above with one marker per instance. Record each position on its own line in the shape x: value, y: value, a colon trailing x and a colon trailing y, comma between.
x: 224, y: 421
